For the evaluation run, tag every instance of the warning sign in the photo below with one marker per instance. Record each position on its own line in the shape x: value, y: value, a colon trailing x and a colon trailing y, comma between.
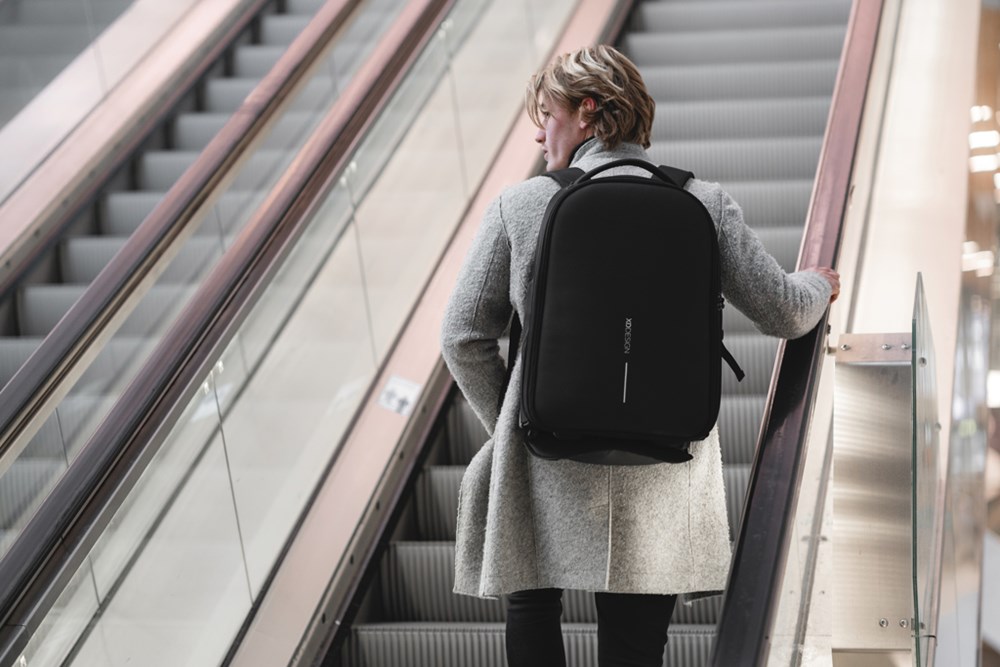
x: 399, y: 395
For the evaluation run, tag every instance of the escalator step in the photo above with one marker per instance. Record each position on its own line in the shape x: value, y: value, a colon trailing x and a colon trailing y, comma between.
x: 482, y: 645
x: 755, y: 354
x: 125, y: 211
x: 734, y: 81
x: 303, y: 6
x: 193, y: 131
x: 739, y: 421
x: 793, y: 117
x: 734, y: 322
x: 417, y: 586
x: 159, y: 170
x: 735, y: 46
x: 417, y: 581
x: 436, y: 498
x: 729, y: 14
x: 42, y: 306
x: 772, y: 203
x: 255, y: 60
x: 282, y: 29
x: 83, y: 257
x: 465, y: 432
x: 736, y: 477
x: 779, y: 159
x: 227, y: 94
x: 783, y: 243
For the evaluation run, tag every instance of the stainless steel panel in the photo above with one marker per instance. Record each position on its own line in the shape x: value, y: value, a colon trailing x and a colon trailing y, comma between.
x: 873, y: 592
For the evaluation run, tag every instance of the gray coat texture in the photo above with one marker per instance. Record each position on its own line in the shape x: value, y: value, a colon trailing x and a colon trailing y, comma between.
x: 525, y: 522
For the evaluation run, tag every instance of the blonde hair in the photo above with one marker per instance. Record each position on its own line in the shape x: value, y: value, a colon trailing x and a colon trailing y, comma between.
x: 623, y: 107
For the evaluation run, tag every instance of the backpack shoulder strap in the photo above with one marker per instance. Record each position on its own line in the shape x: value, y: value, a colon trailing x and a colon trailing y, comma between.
x: 733, y: 365
x: 565, y: 177
x: 678, y: 176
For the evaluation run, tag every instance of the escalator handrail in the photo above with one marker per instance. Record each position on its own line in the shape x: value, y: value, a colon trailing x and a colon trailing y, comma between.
x: 40, y: 378
x: 754, y: 589
x: 58, y: 538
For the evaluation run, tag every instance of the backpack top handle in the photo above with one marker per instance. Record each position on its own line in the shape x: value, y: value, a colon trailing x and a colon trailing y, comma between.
x: 669, y: 175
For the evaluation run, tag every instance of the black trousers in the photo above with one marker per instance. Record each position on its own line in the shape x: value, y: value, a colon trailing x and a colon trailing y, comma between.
x: 631, y: 628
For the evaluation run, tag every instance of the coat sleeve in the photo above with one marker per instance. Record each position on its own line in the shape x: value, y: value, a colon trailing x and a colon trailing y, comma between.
x: 787, y: 305
x: 477, y: 315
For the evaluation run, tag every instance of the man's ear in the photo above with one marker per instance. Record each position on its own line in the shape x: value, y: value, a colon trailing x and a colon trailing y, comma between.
x: 588, y: 105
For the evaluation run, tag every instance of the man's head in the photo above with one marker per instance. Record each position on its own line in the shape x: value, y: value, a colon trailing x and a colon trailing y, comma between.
x: 599, y: 88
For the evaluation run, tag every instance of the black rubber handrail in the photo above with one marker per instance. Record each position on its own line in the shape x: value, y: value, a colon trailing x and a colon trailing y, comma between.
x: 754, y: 589
x: 62, y: 533
x: 40, y: 378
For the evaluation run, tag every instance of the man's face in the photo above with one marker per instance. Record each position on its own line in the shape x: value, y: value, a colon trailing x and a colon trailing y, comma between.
x: 562, y: 131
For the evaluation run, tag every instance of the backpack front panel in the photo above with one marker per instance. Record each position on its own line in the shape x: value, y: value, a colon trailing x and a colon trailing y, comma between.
x: 625, y: 318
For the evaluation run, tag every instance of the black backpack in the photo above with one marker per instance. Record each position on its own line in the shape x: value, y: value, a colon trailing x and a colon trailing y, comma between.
x: 623, y: 325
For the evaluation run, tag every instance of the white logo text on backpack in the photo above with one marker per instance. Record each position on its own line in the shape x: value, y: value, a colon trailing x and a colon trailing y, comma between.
x: 628, y: 348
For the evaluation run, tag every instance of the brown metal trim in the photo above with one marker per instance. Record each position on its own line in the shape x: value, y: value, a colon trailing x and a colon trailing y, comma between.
x: 70, y: 521
x: 754, y: 588
x: 38, y: 380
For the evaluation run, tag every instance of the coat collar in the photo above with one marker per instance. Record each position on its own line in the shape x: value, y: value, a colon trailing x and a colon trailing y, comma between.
x: 593, y: 152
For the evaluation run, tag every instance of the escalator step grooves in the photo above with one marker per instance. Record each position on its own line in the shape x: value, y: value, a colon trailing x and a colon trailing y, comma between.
x: 777, y: 159
x: 735, y: 46
x: 740, y: 81
x: 482, y: 645
x: 417, y: 580
x: 793, y: 117
x: 700, y: 15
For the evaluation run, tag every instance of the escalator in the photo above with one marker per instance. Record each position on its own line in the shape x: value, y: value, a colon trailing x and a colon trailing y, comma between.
x: 743, y: 93
x: 62, y: 272
x: 743, y: 90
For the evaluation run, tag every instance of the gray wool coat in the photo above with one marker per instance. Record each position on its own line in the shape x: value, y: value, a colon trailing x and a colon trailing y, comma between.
x: 525, y: 522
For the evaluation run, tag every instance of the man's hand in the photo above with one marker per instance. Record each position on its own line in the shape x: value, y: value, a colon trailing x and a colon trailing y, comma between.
x: 832, y: 277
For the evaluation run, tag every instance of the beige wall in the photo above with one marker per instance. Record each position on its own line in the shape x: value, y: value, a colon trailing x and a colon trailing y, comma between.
x: 919, y: 196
